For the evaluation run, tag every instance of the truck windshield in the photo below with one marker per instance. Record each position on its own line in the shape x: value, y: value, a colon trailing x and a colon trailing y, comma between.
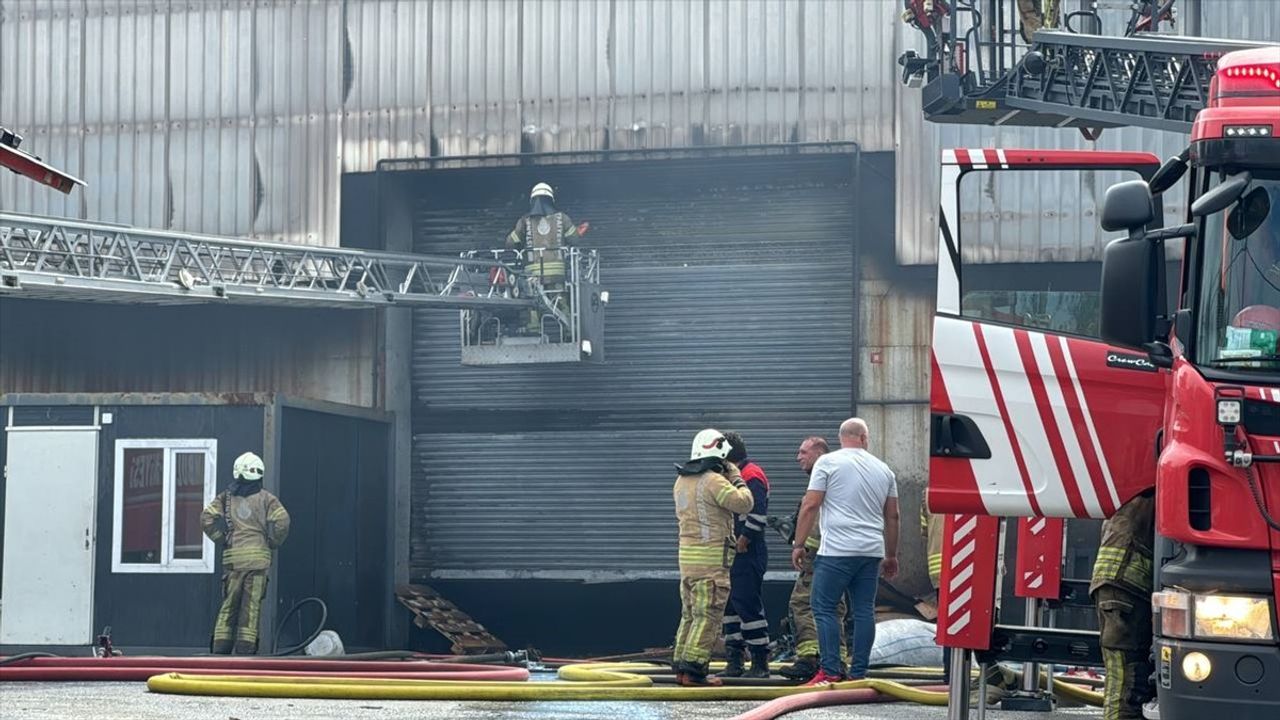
x: 1239, y: 321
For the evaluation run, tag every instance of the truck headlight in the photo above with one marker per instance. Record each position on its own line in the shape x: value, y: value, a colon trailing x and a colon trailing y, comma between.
x: 1233, y: 616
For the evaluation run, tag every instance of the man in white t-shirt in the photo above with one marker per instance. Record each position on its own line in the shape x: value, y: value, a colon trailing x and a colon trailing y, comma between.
x: 858, y: 498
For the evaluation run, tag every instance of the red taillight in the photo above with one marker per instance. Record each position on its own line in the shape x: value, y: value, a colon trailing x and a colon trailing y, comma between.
x: 1244, y: 77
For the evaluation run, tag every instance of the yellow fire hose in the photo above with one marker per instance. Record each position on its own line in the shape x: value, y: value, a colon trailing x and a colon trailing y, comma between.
x: 588, y: 681
x: 618, y: 682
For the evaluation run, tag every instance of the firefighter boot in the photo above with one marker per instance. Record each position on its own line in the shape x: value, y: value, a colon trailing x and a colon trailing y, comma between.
x: 733, y: 662
x: 802, y: 669
x: 759, y: 665
x: 691, y: 675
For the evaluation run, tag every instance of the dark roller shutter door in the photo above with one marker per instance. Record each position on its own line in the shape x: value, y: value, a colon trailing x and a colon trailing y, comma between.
x: 731, y: 286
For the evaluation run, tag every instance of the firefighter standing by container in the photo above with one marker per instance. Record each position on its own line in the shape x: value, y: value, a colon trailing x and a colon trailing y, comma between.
x: 806, y: 631
x: 1121, y: 590
x: 249, y: 523
x: 708, y: 492
x: 538, y: 238
x: 745, y: 625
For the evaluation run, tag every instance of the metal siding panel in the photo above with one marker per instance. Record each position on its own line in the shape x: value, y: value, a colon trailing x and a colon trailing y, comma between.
x: 720, y: 248
x: 211, y: 183
x: 210, y: 64
x: 1241, y: 19
x: 563, y: 70
x: 299, y: 168
x: 462, y: 76
x: 125, y: 172
x: 298, y: 68
x: 126, y: 66
x: 316, y: 354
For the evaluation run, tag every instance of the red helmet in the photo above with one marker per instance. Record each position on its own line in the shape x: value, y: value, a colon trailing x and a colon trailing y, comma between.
x: 1258, y: 317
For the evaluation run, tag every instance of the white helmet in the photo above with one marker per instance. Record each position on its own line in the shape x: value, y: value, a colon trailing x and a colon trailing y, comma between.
x: 709, y: 444
x: 542, y: 190
x: 248, y: 466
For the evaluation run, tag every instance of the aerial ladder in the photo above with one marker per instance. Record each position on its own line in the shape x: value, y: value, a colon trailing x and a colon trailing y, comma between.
x: 65, y: 259
x: 979, y: 69
x: 982, y: 66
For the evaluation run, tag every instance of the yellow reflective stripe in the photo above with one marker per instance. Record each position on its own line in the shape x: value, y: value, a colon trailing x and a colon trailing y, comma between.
x: 277, y: 514
x: 235, y: 554
x: 701, y: 555
x: 701, y: 604
x: 812, y: 543
x: 1112, y: 564
x: 725, y: 492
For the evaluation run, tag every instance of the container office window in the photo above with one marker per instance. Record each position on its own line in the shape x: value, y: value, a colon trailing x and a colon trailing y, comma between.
x: 160, y: 488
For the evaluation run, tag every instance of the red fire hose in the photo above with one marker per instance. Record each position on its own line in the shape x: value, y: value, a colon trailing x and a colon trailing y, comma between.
x: 142, y: 667
x: 805, y: 701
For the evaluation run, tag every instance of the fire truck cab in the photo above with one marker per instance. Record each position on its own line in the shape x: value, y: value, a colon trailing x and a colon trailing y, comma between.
x: 1067, y: 405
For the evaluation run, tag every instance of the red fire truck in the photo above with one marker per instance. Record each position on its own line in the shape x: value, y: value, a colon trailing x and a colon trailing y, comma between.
x: 1177, y: 388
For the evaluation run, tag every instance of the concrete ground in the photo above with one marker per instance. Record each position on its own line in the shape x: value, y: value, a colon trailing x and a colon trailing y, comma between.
x: 132, y: 701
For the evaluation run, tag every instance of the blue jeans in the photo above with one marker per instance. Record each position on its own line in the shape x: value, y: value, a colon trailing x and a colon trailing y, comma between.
x: 832, y: 577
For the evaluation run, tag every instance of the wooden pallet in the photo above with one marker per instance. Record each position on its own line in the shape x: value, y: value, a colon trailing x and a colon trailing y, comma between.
x: 433, y: 610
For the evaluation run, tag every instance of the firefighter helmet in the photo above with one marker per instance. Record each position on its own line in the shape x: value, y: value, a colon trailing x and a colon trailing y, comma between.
x: 709, y: 444
x: 248, y: 466
x: 1258, y: 317
x: 542, y: 190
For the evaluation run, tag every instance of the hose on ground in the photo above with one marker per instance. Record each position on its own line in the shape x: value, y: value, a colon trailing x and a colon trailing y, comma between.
x: 140, y: 668
x: 324, y: 618
x: 12, y: 659
x: 794, y: 703
x: 582, y: 682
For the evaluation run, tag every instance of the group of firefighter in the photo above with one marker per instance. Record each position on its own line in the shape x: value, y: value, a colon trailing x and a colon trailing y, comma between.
x: 722, y: 503
x: 721, y: 506
x: 250, y: 523
x: 722, y: 577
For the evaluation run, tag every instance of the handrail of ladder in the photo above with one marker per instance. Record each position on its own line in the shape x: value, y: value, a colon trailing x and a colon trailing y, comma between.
x: 41, y: 255
x: 1152, y: 81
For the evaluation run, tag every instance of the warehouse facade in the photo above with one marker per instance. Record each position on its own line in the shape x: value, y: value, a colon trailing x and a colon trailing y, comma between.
x: 270, y: 121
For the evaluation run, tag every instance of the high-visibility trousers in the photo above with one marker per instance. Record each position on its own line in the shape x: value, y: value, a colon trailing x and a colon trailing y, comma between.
x: 237, y: 622
x: 1124, y: 622
x: 702, y: 600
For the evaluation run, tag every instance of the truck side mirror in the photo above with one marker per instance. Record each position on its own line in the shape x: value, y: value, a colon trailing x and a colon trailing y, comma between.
x: 1128, y: 206
x: 1129, y: 303
x: 1170, y: 172
x: 1221, y: 196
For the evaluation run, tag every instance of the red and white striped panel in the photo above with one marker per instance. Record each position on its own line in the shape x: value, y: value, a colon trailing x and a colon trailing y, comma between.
x: 1002, y: 159
x: 966, y: 590
x: 1034, y: 407
x: 1039, y: 564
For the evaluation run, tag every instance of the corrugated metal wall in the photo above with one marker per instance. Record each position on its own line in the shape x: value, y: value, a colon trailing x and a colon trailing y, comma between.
x: 732, y: 286
x: 88, y: 347
x: 235, y: 117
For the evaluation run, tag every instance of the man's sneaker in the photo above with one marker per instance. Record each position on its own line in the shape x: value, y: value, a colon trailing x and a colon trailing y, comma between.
x: 822, y: 679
